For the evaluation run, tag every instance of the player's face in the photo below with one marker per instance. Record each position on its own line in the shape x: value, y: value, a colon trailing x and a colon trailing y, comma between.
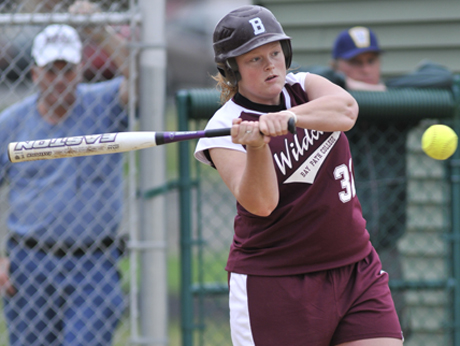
x: 263, y: 74
x: 57, y: 82
x: 364, y: 67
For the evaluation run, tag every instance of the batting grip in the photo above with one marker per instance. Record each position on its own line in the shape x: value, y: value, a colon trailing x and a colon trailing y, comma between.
x: 291, y: 125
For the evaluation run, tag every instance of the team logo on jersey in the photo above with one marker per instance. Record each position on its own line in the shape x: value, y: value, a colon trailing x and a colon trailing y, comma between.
x: 257, y: 25
x: 307, y: 172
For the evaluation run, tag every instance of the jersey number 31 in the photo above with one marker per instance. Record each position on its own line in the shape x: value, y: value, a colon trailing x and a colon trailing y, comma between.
x: 345, y: 175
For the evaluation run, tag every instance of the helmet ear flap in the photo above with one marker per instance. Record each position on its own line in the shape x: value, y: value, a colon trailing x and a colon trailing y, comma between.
x: 287, y: 50
x: 230, y: 71
x: 222, y: 71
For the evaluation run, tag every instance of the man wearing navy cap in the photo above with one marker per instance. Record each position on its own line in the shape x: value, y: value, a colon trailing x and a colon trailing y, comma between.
x: 356, y: 53
x: 356, y: 65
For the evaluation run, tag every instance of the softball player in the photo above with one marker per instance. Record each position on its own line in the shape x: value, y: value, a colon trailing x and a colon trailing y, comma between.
x: 302, y: 268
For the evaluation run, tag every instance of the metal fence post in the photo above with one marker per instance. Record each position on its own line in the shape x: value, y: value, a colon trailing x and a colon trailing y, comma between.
x: 186, y: 301
x: 153, y: 290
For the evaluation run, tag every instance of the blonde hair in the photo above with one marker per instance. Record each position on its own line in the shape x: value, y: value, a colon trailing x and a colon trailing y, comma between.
x: 227, y: 90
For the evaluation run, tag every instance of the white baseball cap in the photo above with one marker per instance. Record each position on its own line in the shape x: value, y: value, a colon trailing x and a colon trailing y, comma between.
x: 57, y: 42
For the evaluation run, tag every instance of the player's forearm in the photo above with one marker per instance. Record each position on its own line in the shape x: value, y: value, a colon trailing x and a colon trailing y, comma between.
x: 249, y: 176
x: 257, y: 190
x: 328, y: 113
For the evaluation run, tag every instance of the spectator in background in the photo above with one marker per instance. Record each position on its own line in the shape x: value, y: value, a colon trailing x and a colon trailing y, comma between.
x: 356, y: 54
x: 356, y: 65
x: 97, y: 63
x: 60, y: 282
x: 379, y: 146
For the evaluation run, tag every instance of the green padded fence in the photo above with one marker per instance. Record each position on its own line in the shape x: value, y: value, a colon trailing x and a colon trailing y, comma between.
x: 411, y: 203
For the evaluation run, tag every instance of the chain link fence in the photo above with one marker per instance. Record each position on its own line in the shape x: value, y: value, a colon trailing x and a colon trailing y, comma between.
x: 86, y: 209
x: 406, y: 199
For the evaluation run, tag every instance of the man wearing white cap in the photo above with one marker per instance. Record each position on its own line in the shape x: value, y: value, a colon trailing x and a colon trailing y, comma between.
x: 60, y: 280
x: 57, y: 49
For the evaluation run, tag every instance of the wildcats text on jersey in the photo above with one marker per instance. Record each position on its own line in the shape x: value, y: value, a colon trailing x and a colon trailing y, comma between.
x: 296, y: 149
x: 307, y: 172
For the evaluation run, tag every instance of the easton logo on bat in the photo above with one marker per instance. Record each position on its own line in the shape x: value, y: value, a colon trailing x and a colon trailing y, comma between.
x: 67, y: 142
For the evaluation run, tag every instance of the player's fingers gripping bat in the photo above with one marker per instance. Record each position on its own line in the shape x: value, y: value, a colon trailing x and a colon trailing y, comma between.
x: 106, y: 143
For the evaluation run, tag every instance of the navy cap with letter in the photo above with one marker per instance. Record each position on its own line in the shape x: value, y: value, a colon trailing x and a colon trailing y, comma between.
x: 354, y: 41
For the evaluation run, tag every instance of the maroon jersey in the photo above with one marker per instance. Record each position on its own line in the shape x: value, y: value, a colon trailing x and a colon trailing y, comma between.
x: 318, y: 223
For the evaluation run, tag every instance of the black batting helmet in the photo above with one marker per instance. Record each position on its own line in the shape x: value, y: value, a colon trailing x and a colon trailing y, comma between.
x: 242, y: 30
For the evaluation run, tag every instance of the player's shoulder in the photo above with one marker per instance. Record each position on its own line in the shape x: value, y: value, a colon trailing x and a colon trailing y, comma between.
x: 296, y: 78
x: 224, y: 116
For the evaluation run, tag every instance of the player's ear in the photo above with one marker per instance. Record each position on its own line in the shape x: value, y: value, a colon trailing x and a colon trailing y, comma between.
x: 229, y: 71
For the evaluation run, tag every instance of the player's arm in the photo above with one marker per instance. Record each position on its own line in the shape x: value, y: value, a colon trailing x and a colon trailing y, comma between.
x: 250, y: 176
x: 331, y: 108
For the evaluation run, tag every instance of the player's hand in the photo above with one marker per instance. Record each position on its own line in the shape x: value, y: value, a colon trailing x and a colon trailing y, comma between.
x: 6, y: 288
x: 248, y: 133
x: 274, y: 124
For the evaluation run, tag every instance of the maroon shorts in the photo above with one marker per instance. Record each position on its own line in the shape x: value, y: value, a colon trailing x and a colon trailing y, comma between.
x: 322, y: 309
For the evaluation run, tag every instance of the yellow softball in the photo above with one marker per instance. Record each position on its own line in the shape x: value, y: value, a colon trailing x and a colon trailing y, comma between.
x: 439, y: 142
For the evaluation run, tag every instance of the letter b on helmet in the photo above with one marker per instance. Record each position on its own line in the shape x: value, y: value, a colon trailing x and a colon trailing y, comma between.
x: 257, y: 25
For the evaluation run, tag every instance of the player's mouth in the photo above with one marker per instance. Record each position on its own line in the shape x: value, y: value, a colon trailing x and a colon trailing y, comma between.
x: 270, y: 78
